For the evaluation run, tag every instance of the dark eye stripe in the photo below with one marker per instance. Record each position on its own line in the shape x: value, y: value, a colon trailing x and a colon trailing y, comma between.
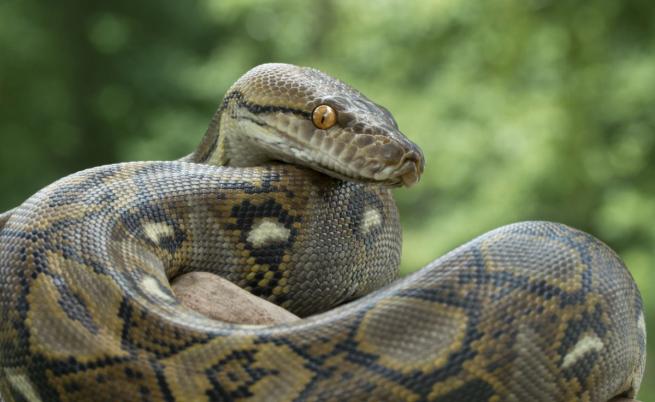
x: 261, y: 109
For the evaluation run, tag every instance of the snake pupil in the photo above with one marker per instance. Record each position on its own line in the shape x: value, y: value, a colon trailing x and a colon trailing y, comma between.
x: 324, y: 117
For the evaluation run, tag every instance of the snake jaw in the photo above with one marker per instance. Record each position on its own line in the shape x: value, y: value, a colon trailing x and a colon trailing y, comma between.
x: 388, y: 162
x: 346, y: 156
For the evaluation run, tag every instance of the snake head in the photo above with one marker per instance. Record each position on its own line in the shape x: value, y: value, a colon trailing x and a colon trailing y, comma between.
x: 303, y: 116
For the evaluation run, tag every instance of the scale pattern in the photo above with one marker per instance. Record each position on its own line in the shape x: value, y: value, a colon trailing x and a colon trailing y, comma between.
x: 531, y: 311
x: 534, y: 311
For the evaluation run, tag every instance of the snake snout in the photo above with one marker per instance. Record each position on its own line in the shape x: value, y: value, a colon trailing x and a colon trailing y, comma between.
x: 411, y: 168
x: 400, y: 163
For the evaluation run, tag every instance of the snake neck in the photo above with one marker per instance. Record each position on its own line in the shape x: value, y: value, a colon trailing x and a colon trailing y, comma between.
x: 225, y: 143
x: 211, y: 149
x: 206, y: 150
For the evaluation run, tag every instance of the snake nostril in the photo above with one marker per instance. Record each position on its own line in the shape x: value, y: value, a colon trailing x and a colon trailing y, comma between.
x: 412, y: 156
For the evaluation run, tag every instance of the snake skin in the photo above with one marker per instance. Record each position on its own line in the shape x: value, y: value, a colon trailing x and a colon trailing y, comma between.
x: 534, y: 311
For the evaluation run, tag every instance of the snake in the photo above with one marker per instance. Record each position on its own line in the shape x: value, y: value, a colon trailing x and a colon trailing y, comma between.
x: 289, y: 195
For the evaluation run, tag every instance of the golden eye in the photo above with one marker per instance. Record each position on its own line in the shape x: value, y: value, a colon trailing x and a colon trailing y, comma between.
x: 324, y: 117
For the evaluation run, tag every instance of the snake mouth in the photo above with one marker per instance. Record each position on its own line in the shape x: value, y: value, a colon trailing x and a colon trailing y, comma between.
x: 402, y: 166
x: 405, y: 171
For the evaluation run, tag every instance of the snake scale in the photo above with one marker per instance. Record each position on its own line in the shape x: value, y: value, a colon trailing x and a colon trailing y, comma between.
x: 288, y: 195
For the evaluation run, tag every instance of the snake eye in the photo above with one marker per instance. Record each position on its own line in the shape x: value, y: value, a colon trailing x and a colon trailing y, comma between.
x: 324, y: 117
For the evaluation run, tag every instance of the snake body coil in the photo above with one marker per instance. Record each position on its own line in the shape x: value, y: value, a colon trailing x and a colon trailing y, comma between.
x: 533, y: 311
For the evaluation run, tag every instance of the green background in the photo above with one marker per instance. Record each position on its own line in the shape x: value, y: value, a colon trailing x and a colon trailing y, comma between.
x: 525, y: 109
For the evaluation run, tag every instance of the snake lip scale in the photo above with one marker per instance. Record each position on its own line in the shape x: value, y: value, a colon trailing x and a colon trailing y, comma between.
x: 288, y: 195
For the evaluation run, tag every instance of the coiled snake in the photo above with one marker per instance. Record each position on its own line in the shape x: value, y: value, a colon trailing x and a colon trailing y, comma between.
x: 533, y: 311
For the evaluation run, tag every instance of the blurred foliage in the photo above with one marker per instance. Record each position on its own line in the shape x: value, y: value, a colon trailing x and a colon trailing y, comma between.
x: 525, y: 109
